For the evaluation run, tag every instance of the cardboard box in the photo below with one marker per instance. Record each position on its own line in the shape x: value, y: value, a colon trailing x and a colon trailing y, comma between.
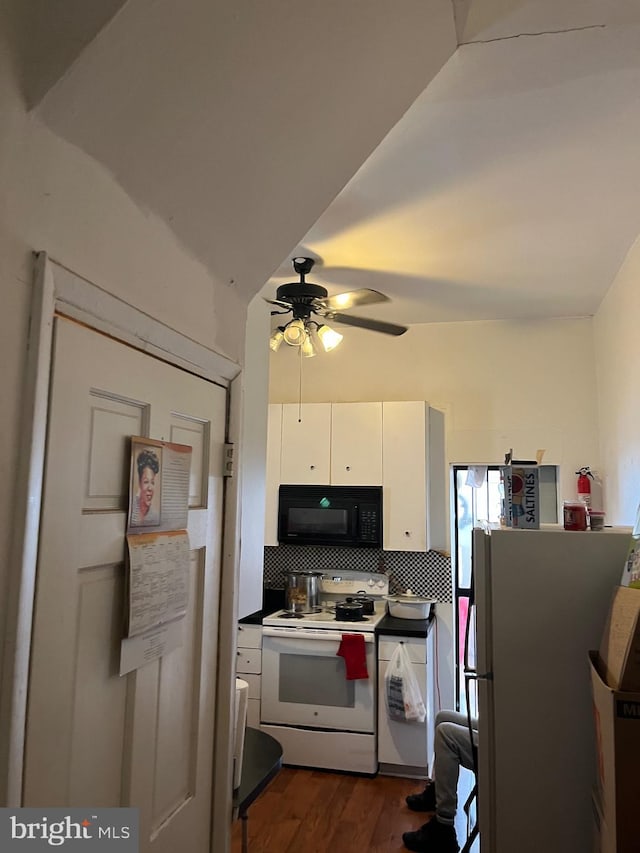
x: 617, y: 726
x: 521, y: 496
x: 620, y: 645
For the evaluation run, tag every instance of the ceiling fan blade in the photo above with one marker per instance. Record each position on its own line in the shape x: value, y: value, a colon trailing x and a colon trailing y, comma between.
x: 286, y: 305
x: 342, y: 301
x: 365, y: 323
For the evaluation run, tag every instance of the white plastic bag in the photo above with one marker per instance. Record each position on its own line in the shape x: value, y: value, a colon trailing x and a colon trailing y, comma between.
x: 401, y: 689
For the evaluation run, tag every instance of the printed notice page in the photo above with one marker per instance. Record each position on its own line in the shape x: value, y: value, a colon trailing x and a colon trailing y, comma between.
x: 158, y: 579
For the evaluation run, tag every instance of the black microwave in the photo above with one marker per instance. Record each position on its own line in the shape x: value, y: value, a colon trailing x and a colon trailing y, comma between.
x: 330, y: 515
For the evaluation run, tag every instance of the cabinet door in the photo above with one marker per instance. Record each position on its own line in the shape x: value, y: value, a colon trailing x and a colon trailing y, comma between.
x: 356, y: 444
x: 404, y: 475
x: 272, y: 474
x: 306, y: 443
x: 403, y: 744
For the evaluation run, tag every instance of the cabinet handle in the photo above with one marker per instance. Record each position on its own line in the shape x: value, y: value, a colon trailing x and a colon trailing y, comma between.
x: 407, y: 533
x: 312, y: 467
x: 347, y: 467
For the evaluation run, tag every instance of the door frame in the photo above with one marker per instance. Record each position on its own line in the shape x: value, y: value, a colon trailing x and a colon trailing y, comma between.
x: 59, y: 291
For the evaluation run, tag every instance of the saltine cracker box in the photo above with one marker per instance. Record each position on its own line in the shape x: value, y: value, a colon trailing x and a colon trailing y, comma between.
x: 521, y: 486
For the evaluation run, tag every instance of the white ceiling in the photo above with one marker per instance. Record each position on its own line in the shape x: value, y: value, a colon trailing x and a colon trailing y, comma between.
x: 509, y: 187
x: 221, y: 117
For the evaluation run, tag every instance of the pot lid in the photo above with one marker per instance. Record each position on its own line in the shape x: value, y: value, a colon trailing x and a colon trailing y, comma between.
x: 302, y: 574
x: 410, y: 598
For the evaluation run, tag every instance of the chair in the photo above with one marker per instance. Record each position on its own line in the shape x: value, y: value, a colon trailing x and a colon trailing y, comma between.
x: 473, y: 829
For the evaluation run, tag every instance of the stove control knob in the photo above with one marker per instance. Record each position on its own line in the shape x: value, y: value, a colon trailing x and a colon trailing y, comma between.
x: 372, y: 582
x: 380, y: 584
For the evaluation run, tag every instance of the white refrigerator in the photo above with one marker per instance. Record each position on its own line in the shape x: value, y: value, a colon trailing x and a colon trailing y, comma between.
x: 542, y: 598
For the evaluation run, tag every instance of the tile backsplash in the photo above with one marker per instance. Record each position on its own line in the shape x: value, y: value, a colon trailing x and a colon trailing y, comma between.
x: 425, y: 573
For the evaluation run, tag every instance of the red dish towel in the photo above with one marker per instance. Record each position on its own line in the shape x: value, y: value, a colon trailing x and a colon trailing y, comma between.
x: 352, y: 649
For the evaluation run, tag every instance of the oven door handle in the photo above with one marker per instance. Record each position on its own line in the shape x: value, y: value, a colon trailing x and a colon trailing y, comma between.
x: 319, y: 634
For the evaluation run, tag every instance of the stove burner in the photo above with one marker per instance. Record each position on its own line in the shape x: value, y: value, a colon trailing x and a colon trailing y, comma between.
x: 360, y: 619
x: 289, y: 615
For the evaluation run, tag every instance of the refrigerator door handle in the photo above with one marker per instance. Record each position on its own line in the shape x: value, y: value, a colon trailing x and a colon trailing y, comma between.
x: 474, y: 675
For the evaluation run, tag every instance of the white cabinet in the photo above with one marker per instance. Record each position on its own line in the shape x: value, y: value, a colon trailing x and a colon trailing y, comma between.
x: 356, y: 444
x: 306, y: 443
x: 413, y: 477
x: 249, y: 668
x: 405, y: 749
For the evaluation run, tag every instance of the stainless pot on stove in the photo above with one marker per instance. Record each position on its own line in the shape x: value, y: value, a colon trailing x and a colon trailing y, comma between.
x: 302, y: 593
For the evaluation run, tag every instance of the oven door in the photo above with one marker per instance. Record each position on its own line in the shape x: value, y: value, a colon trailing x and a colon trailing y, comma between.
x: 304, y: 681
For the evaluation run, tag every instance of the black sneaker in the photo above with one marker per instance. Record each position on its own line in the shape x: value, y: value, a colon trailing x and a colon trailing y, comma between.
x: 425, y: 801
x: 433, y: 837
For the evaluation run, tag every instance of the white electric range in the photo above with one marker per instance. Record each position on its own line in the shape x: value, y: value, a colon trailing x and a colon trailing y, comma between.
x: 321, y: 718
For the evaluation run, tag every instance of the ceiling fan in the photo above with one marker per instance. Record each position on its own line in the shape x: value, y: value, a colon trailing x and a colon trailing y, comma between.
x: 306, y: 301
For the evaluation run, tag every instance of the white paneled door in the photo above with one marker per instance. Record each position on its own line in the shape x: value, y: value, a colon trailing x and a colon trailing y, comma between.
x: 95, y: 738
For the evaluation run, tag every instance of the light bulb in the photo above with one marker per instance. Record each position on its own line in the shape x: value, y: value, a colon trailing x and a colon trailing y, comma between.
x: 275, y: 340
x: 294, y: 333
x: 308, y: 349
x: 329, y: 337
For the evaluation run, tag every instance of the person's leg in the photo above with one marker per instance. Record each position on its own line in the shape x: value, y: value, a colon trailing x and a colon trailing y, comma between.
x: 452, y: 749
x: 425, y: 801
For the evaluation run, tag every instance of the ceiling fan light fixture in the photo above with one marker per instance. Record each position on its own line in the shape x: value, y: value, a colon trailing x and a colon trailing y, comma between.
x: 276, y: 339
x: 294, y: 333
x: 328, y: 337
x: 308, y: 349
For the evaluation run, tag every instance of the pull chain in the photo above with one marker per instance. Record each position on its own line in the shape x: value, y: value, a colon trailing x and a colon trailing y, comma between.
x: 300, y: 386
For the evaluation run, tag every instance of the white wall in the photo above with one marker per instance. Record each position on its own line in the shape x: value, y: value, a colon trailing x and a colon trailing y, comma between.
x: 618, y: 365
x: 253, y: 451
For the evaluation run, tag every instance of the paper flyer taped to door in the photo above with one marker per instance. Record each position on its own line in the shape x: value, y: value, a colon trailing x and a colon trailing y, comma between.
x: 160, y: 473
x: 157, y: 578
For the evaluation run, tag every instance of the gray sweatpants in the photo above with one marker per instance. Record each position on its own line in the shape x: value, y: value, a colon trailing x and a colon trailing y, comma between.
x: 452, y: 749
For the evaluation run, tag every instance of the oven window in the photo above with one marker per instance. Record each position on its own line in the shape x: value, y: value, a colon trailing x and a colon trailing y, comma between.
x: 315, y: 680
x: 318, y: 520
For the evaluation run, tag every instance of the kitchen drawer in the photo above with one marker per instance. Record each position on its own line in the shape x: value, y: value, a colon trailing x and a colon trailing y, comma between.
x: 417, y: 648
x: 249, y: 660
x: 250, y: 636
x: 253, y: 680
x: 253, y: 713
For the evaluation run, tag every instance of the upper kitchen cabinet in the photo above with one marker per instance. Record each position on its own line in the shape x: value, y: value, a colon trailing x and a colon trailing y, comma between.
x: 356, y: 444
x: 397, y: 445
x: 414, y: 477
x: 306, y: 443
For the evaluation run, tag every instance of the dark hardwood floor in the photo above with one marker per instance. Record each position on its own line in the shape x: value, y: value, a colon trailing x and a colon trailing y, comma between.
x: 312, y: 811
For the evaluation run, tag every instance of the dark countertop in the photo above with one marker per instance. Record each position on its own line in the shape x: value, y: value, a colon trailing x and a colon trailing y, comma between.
x: 252, y: 618
x: 392, y: 626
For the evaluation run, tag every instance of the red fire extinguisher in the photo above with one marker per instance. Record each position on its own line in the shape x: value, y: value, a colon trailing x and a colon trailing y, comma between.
x: 584, y: 486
